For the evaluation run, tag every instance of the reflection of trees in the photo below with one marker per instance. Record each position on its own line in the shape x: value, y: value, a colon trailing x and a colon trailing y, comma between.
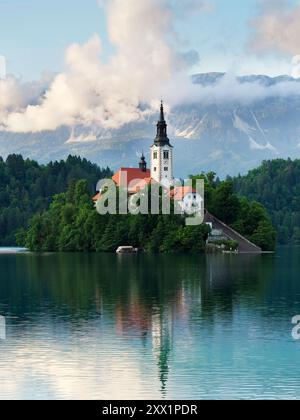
x: 145, y: 296
x: 226, y: 279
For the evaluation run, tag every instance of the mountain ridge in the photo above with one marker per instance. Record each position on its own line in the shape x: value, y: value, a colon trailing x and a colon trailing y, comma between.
x: 227, y: 136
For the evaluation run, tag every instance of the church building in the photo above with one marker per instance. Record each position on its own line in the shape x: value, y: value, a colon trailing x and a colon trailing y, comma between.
x: 161, y: 172
x: 161, y: 169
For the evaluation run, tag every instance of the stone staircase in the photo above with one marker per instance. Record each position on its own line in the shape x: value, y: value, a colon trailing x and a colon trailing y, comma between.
x: 245, y: 246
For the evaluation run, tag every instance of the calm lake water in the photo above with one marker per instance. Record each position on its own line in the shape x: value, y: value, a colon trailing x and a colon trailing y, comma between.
x: 129, y: 327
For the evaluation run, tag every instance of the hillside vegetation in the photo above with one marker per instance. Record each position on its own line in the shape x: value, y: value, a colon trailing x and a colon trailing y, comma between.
x: 276, y: 185
x: 49, y: 208
x: 27, y: 188
x: 72, y: 224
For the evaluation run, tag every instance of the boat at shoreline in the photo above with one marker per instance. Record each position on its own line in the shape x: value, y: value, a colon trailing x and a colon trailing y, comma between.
x: 126, y: 250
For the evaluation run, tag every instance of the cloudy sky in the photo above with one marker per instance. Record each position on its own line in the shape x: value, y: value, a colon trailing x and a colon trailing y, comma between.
x: 85, y: 62
x: 34, y: 34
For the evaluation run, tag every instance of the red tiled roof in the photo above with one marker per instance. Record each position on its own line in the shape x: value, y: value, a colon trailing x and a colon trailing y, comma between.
x: 97, y: 197
x: 132, y: 174
x: 178, y: 193
x: 134, y: 178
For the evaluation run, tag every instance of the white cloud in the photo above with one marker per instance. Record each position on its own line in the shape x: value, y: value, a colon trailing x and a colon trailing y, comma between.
x: 277, y: 27
x: 227, y: 90
x: 296, y: 66
x: 15, y: 95
x: 145, y: 66
x: 2, y: 67
x: 91, y: 91
x: 10, y: 94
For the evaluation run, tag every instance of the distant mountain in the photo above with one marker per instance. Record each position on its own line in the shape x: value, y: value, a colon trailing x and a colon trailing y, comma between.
x: 207, y: 79
x: 227, y: 136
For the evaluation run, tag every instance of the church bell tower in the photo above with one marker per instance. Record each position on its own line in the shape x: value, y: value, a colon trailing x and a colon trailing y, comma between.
x: 162, y: 153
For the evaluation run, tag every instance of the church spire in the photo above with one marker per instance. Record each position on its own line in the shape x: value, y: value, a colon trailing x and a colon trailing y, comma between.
x: 162, y: 152
x: 162, y: 136
x: 162, y: 114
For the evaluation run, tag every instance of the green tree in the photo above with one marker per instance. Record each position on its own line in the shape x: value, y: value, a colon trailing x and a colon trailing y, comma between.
x: 276, y: 185
x: 27, y: 188
x: 225, y: 204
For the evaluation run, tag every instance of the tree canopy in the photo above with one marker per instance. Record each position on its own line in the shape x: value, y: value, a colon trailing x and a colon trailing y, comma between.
x: 72, y: 224
x: 27, y: 188
x: 49, y: 208
x: 276, y: 185
x: 249, y: 218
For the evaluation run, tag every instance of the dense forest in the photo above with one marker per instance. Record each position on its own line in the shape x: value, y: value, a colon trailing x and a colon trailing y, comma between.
x: 72, y: 224
x: 49, y: 207
x: 276, y: 184
x: 27, y: 188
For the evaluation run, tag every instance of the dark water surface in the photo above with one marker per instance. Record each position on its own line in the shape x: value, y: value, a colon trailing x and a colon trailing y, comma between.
x: 127, y: 327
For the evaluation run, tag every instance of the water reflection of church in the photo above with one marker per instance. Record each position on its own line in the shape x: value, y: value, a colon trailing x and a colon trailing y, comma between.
x: 185, y: 294
x: 155, y: 325
x: 162, y: 340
